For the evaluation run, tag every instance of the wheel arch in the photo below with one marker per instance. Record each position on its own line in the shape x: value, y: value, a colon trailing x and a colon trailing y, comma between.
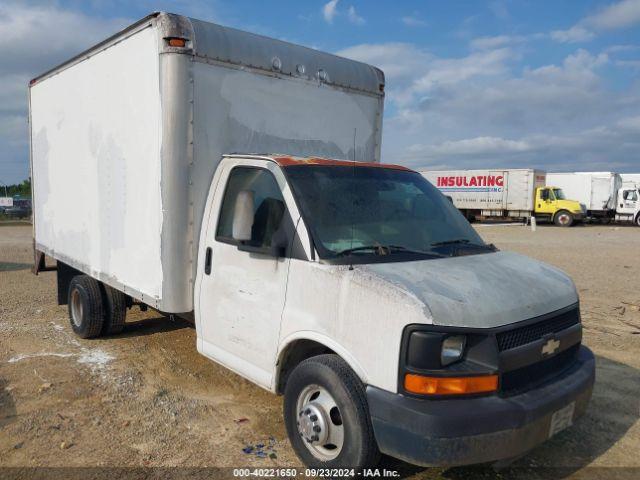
x: 302, y: 345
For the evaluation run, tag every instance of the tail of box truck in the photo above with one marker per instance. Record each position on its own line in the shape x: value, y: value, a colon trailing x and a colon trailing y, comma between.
x: 125, y: 139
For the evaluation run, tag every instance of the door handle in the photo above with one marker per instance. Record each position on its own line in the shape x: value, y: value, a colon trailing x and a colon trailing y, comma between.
x: 207, y: 261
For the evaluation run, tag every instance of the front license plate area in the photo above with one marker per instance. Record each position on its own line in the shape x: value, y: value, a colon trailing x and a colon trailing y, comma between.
x: 561, y: 419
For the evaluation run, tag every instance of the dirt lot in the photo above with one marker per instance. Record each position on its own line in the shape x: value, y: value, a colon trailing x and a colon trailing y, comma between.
x: 146, y: 398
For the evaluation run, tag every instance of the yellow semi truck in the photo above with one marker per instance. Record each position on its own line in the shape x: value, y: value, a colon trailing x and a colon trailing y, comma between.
x: 507, y: 193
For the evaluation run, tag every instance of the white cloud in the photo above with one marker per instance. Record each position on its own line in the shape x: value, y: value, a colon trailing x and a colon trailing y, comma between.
x: 623, y: 14
x: 619, y: 15
x: 353, y: 16
x: 488, y: 43
x: 413, y: 21
x: 330, y: 10
x: 572, y: 35
x: 36, y: 38
x: 481, y: 109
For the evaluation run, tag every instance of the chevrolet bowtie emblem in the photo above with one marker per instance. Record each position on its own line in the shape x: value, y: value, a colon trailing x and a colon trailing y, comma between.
x: 550, y: 347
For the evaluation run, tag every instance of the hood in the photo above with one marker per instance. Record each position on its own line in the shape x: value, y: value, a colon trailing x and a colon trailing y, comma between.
x: 481, y: 291
x: 570, y: 205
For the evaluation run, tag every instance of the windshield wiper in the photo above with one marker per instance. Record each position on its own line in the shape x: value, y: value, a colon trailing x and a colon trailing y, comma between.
x: 451, y: 242
x: 385, y: 250
x: 464, y: 242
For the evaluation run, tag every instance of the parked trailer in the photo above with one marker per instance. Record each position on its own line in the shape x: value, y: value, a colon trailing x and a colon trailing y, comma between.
x: 512, y: 193
x: 596, y: 191
x: 355, y: 289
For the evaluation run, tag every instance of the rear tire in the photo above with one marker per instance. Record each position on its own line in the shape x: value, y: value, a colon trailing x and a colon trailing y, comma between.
x: 86, y: 312
x: 638, y: 220
x: 563, y: 218
x: 115, y: 310
x: 327, y: 417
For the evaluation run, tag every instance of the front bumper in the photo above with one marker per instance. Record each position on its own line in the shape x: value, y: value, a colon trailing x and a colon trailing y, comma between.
x: 463, y: 431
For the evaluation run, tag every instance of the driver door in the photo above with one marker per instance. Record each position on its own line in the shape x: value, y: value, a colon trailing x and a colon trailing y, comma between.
x: 242, y: 293
x: 545, y: 203
x: 628, y: 201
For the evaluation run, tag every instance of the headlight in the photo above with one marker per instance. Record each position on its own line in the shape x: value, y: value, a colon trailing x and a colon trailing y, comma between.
x: 452, y: 349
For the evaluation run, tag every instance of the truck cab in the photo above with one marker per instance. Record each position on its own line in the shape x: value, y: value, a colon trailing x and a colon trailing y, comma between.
x: 361, y: 294
x: 628, y: 204
x: 552, y: 205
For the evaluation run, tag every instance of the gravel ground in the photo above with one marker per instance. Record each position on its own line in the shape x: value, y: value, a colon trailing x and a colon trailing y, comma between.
x: 146, y: 398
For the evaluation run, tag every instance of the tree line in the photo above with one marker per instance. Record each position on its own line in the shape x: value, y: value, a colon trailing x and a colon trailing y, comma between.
x: 23, y: 189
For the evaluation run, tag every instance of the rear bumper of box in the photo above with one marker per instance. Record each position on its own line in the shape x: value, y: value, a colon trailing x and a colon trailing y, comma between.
x: 463, y: 431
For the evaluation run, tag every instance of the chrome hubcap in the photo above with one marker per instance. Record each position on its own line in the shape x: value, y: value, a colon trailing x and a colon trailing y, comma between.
x: 564, y: 219
x: 320, y: 422
x: 76, y: 308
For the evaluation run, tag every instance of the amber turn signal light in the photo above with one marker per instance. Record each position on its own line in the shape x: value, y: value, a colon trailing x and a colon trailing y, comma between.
x: 176, y: 42
x: 450, y: 385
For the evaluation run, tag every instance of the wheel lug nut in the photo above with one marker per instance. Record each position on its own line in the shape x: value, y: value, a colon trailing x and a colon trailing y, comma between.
x: 314, y: 418
x: 307, y: 411
x: 317, y: 429
x: 315, y: 438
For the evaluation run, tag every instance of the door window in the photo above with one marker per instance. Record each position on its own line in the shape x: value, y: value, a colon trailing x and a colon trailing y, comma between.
x: 268, y: 205
x: 630, y: 195
x: 544, y: 194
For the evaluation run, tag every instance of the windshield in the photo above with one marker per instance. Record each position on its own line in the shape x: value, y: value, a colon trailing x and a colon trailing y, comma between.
x: 376, y: 211
x: 559, y: 194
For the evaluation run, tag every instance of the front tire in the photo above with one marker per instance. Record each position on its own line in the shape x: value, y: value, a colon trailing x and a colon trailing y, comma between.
x: 638, y: 220
x: 327, y: 417
x: 86, y: 312
x: 563, y: 218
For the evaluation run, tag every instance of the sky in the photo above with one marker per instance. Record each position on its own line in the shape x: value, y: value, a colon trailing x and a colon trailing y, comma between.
x: 470, y: 84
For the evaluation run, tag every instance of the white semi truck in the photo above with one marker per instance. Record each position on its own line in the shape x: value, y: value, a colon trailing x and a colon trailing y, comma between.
x: 512, y: 193
x: 353, y: 288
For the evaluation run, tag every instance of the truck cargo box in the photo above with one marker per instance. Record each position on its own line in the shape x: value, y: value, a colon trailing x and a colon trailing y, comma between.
x: 125, y: 139
x: 597, y: 191
x: 498, y: 192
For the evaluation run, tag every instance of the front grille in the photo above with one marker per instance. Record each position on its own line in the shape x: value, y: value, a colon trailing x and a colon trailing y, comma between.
x: 535, y: 331
x: 538, y: 373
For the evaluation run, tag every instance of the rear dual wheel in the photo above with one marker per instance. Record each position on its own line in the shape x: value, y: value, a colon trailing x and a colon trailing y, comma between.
x: 94, y: 308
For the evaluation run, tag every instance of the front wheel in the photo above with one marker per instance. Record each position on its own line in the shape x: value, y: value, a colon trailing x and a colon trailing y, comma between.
x: 638, y: 220
x: 326, y: 415
x: 563, y: 218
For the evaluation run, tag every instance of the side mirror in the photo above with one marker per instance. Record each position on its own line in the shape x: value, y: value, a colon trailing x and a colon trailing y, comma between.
x: 243, y: 216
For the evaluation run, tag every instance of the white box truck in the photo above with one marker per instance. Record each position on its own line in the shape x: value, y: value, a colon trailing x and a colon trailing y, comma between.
x: 630, y: 178
x: 596, y: 191
x: 511, y: 193
x: 353, y: 288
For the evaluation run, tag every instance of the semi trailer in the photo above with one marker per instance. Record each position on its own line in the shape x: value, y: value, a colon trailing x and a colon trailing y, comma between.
x: 512, y: 193
x: 596, y: 191
x: 353, y: 288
